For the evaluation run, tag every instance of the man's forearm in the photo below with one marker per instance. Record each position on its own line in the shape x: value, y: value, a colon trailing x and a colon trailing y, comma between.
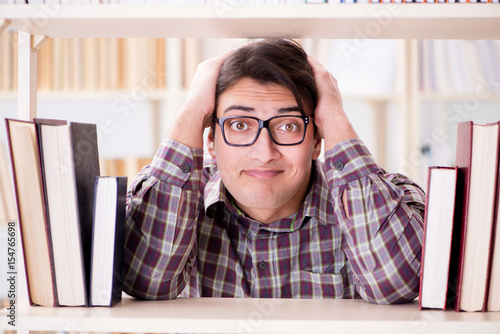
x: 187, y: 129
x: 382, y: 224
x: 384, y: 244
x: 339, y: 130
x: 162, y: 209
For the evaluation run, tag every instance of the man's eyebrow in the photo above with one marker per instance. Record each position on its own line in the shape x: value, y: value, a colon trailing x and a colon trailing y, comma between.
x: 288, y: 109
x: 237, y: 107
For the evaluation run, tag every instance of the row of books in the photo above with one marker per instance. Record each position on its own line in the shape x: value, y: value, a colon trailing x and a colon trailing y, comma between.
x: 461, y: 247
x: 90, y: 64
x: 8, y: 60
x: 459, y: 66
x: 102, y: 64
x: 128, y: 167
x: 71, y: 218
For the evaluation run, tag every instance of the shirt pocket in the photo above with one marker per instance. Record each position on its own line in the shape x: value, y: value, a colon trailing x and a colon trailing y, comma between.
x: 306, y: 284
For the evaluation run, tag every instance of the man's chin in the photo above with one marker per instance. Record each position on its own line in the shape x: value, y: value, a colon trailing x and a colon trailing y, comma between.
x: 261, y: 202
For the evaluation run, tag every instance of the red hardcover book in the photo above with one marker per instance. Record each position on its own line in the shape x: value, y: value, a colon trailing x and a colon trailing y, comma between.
x: 462, y: 161
x: 494, y: 279
x: 477, y: 161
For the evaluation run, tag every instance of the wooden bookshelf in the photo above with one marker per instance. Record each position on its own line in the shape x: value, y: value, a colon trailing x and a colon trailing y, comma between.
x: 393, y: 21
x: 379, y: 21
x: 253, y: 315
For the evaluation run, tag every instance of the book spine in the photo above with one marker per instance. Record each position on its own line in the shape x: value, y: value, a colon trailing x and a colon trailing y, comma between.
x: 463, y: 162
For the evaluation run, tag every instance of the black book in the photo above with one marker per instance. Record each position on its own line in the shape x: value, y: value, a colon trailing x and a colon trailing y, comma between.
x: 86, y: 160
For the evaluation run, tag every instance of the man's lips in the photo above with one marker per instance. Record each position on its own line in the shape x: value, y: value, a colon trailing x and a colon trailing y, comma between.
x: 262, y: 173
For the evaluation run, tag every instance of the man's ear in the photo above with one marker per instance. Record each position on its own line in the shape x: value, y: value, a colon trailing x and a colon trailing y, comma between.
x: 317, y: 146
x: 211, y: 142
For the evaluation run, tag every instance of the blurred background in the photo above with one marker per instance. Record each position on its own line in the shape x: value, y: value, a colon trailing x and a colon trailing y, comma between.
x: 404, y: 98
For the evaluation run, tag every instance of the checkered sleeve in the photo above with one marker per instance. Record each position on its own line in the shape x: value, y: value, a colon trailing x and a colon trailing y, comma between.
x: 382, y: 237
x: 162, y: 209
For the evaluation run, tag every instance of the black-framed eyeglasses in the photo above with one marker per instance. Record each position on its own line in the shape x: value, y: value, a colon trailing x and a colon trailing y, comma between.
x: 286, y: 130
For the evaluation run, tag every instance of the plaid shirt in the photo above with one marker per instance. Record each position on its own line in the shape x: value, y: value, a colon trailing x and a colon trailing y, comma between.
x: 185, y: 236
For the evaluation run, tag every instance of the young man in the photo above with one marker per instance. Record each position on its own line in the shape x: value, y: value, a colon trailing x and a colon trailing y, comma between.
x: 264, y: 217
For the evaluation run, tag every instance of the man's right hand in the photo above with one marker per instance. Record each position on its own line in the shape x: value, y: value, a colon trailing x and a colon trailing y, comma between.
x: 198, y: 108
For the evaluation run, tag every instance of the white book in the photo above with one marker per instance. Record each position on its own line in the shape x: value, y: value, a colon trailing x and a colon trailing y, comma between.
x: 63, y: 215
x: 458, y: 67
x: 438, y: 231
x: 473, y: 64
x: 108, y: 232
x: 441, y: 67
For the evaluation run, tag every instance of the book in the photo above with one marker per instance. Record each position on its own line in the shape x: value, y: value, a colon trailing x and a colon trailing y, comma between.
x: 57, y: 64
x: 76, y: 62
x: 472, y: 59
x: 494, y: 279
x: 458, y: 67
x: 108, y: 238
x: 438, y: 232
x: 160, y: 63
x: 60, y: 189
x: 25, y: 162
x: 89, y: 64
x: 6, y: 61
x: 86, y: 160
x: 44, y: 67
x: 442, y: 71
x: 7, y: 204
x: 477, y: 161
x: 191, y: 50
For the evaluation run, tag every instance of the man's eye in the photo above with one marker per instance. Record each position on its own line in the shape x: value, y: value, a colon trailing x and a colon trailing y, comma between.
x: 288, y: 127
x: 239, y: 126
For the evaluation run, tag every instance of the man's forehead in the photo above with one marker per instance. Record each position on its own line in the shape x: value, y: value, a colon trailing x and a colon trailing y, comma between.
x: 247, y: 93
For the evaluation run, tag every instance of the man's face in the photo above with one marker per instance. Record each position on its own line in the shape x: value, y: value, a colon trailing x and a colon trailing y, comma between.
x: 268, y: 181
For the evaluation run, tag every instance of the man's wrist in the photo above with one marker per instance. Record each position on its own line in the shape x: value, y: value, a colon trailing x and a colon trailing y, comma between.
x: 340, y: 130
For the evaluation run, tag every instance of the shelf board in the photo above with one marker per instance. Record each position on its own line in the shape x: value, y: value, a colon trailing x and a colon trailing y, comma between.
x: 234, y: 315
x: 161, y: 95
x: 218, y: 20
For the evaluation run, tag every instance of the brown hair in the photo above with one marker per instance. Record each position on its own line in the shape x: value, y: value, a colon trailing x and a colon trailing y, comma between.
x: 272, y: 61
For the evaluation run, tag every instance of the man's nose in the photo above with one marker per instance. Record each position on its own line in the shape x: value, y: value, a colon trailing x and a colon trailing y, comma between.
x: 264, y: 149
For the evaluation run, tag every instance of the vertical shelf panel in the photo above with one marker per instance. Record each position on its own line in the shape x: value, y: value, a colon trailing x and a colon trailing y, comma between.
x: 27, y: 69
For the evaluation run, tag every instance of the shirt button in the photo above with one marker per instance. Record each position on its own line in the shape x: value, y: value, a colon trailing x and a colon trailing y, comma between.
x: 262, y: 265
x: 339, y: 165
x: 186, y: 168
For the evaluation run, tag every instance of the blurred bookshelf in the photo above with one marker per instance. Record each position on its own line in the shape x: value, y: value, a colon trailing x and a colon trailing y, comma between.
x: 130, y: 76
